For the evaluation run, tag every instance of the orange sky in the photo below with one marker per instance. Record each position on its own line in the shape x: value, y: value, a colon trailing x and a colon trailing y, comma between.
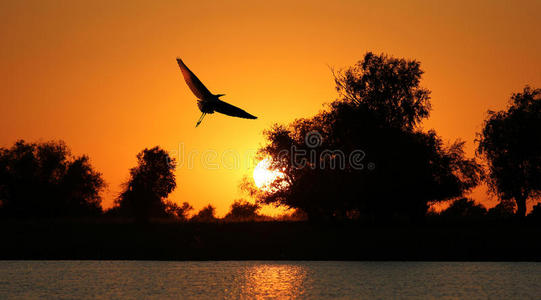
x: 102, y: 75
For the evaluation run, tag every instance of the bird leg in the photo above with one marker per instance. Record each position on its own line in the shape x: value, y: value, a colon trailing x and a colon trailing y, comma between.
x: 200, y: 119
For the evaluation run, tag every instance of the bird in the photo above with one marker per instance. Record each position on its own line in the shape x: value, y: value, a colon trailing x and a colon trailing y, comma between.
x: 208, y: 102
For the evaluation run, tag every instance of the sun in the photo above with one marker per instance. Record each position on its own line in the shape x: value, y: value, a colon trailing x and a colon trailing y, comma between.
x: 264, y: 176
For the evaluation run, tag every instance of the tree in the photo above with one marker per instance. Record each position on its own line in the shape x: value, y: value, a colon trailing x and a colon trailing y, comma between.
x: 46, y: 180
x: 464, y: 208
x: 150, y: 183
x: 242, y: 210
x: 206, y: 214
x: 503, y: 210
x: 387, y: 86
x: 179, y: 212
x: 364, y: 155
x: 510, y: 142
x: 535, y: 214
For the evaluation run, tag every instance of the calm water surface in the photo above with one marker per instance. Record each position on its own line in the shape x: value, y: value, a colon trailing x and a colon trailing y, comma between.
x: 261, y: 279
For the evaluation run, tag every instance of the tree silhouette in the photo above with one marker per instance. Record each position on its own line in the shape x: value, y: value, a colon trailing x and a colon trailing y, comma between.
x: 535, y: 214
x: 45, y: 180
x: 179, y: 212
x: 206, y: 214
x: 503, y: 210
x: 242, y: 210
x: 511, y: 144
x: 401, y: 168
x: 388, y: 87
x: 464, y: 208
x: 150, y: 183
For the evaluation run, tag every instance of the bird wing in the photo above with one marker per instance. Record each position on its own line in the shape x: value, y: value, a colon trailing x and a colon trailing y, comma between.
x: 230, y: 110
x: 197, y: 87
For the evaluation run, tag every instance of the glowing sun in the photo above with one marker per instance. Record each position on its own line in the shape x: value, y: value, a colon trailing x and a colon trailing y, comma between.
x: 264, y: 176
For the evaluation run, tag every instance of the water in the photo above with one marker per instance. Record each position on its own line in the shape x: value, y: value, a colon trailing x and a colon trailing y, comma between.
x: 260, y: 279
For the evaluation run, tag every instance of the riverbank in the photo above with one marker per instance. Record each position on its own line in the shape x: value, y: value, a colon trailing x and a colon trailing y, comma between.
x: 115, y: 240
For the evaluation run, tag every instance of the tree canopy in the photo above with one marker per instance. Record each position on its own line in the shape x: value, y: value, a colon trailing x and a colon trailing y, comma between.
x: 510, y: 141
x: 464, y: 208
x: 179, y: 212
x: 151, y: 181
x: 364, y: 155
x: 389, y: 87
x: 242, y: 210
x: 206, y: 214
x: 46, y: 180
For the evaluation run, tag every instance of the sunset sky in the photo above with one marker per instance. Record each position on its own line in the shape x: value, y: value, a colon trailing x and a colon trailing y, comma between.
x: 102, y: 75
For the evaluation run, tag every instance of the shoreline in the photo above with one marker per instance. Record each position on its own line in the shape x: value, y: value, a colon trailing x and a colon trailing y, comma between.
x: 272, y: 241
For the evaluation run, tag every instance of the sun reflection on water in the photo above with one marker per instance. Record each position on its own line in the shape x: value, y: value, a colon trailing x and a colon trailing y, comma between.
x: 274, y: 281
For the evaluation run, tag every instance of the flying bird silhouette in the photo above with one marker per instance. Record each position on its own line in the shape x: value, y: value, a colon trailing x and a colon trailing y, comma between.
x: 207, y: 102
